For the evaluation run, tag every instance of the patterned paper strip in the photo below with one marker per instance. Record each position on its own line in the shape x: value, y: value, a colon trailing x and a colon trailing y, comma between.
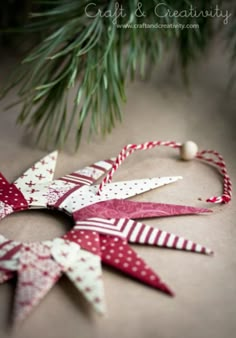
x: 116, y: 208
x: 11, y: 198
x: 9, y: 258
x: 87, y: 277
x: 37, y: 273
x: 84, y: 270
x: 89, y: 174
x: 131, y: 188
x: 117, y: 253
x: 65, y: 252
x: 87, y: 195
x: 111, y: 227
x: 144, y: 234
x: 137, y: 232
x: 9, y: 255
x: 88, y: 240
x: 57, y: 189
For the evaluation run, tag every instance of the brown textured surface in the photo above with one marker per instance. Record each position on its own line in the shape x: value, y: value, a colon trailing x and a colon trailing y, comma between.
x: 205, y: 302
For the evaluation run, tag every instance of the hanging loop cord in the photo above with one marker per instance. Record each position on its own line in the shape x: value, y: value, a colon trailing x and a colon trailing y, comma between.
x: 220, y: 163
x: 202, y: 155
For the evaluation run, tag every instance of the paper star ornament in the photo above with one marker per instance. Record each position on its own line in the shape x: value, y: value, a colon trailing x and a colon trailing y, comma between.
x: 103, y: 226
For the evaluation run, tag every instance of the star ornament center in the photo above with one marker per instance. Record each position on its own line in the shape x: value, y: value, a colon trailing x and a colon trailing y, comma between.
x: 104, y: 227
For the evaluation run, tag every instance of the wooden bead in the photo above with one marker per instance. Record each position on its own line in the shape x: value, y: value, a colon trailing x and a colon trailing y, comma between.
x: 188, y: 151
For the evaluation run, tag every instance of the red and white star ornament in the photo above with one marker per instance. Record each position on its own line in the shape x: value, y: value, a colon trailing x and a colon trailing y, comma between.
x: 104, y: 224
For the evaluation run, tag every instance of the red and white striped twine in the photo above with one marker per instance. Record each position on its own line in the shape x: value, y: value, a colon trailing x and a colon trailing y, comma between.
x: 219, y: 162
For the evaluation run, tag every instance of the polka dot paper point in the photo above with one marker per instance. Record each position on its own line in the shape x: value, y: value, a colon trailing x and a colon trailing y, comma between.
x: 104, y: 227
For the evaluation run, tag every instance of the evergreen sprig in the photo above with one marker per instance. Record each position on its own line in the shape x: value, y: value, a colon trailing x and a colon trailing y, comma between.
x: 95, y: 56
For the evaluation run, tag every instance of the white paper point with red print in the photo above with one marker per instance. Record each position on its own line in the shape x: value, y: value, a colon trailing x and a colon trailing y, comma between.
x: 34, y: 183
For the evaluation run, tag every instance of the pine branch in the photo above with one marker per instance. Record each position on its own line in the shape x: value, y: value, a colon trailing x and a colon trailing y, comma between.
x: 96, y: 57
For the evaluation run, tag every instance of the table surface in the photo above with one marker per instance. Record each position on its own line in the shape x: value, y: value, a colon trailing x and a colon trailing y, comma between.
x: 157, y: 109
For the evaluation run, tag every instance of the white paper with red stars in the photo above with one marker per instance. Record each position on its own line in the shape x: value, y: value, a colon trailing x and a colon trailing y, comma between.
x: 83, y: 269
x: 104, y: 225
x: 34, y: 183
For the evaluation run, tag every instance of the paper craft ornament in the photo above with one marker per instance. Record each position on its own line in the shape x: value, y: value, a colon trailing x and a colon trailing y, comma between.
x: 104, y: 224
